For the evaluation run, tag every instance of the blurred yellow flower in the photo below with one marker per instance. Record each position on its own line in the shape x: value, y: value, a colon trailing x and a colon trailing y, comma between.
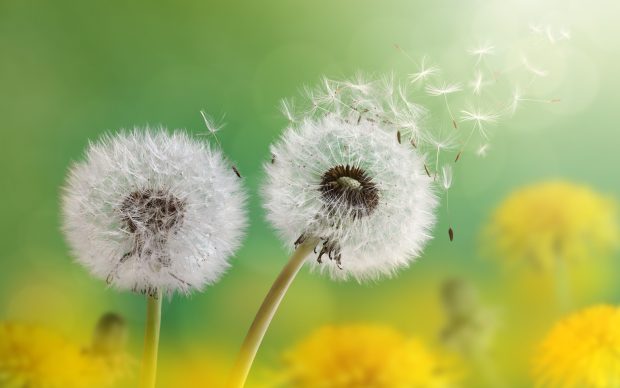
x: 552, y: 221
x: 193, y: 371
x: 364, y: 356
x: 582, y: 350
x: 36, y: 357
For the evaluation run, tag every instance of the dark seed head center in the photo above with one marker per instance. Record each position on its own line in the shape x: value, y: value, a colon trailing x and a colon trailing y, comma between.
x: 349, y: 188
x: 152, y: 211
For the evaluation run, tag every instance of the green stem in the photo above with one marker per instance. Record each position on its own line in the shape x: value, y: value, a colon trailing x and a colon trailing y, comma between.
x: 151, y: 341
x: 265, y: 314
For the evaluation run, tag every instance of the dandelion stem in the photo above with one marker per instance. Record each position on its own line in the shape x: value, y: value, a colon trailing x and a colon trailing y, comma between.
x: 265, y: 314
x: 151, y: 341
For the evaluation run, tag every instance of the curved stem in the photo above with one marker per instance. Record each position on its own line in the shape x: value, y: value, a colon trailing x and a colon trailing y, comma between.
x: 265, y: 314
x: 151, y: 341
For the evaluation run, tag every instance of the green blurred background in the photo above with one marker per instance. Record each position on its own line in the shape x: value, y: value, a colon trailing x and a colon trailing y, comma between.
x: 72, y: 70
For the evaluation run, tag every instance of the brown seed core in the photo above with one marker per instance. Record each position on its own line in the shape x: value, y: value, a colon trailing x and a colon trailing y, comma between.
x: 151, y: 211
x: 349, y: 187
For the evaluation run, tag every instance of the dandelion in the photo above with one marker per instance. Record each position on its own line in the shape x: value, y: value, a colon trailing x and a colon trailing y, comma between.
x: 342, y: 184
x: 351, y: 356
x: 37, y: 357
x: 154, y: 213
x: 581, y: 350
x: 551, y: 225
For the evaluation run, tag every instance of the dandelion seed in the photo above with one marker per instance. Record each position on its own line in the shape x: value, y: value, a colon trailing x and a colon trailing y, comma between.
x: 423, y: 72
x: 482, y: 150
x: 565, y: 34
x: 480, y: 119
x: 358, y: 84
x: 515, y: 101
x: 212, y: 125
x: 337, y: 173
x: 287, y: 108
x: 451, y: 234
x: 444, y: 91
x: 550, y: 36
x: 532, y: 69
x: 482, y: 51
x: 446, y: 176
x: 477, y: 83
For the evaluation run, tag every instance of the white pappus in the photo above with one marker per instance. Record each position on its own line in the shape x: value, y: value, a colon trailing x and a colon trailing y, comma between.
x: 147, y: 211
x: 351, y: 185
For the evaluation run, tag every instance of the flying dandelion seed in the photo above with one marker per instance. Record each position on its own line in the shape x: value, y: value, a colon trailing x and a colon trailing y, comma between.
x: 482, y: 51
x: 446, y: 177
x: 423, y: 72
x: 212, y: 125
x: 483, y: 150
x: 442, y: 142
x: 443, y: 91
x: 536, y: 29
x: 477, y: 83
x: 480, y: 119
x: 533, y: 69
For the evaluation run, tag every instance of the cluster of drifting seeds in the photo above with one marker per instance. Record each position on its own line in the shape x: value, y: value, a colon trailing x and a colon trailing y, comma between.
x: 437, y: 120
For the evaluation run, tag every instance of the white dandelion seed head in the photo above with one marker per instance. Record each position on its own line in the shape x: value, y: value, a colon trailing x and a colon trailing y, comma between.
x: 353, y: 187
x: 147, y: 210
